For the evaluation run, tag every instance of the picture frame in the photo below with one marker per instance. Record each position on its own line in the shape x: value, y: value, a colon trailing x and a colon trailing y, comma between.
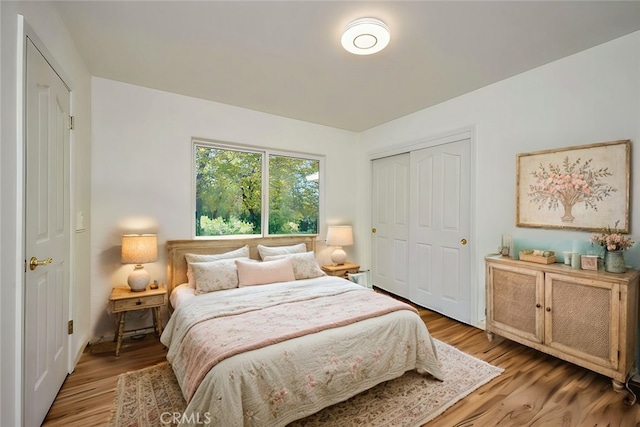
x: 589, y: 262
x: 361, y: 279
x: 580, y: 187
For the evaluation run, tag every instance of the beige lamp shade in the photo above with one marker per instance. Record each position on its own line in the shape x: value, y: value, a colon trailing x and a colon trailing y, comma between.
x: 339, y: 236
x: 139, y: 249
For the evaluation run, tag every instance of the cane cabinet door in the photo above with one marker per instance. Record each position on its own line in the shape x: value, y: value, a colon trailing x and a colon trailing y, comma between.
x: 582, y: 317
x: 514, y: 306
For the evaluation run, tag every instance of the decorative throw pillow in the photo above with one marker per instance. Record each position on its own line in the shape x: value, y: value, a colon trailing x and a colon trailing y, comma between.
x: 215, y: 275
x: 242, y: 252
x: 266, y: 251
x: 262, y: 273
x: 305, y: 265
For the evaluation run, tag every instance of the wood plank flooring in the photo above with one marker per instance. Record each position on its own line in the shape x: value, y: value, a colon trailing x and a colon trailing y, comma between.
x: 534, y: 390
x: 87, y: 395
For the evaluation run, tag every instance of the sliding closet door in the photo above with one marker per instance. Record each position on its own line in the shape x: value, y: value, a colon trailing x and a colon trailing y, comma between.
x: 439, y: 251
x: 390, y: 224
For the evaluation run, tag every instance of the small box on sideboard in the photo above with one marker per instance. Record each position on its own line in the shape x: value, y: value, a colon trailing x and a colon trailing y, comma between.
x: 540, y: 259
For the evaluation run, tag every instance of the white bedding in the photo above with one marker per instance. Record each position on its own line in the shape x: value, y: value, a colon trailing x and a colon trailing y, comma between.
x: 180, y: 294
x: 282, y: 382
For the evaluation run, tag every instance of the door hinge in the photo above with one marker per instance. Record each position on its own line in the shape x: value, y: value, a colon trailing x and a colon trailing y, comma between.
x: 70, y: 327
x: 72, y: 123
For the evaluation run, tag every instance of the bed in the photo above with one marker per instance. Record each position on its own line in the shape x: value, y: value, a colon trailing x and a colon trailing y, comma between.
x: 266, y: 354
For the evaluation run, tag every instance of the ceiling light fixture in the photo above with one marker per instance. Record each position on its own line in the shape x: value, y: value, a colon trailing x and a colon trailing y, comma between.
x: 366, y: 36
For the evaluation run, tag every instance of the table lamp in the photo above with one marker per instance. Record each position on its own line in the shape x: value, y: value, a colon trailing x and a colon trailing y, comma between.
x: 339, y: 236
x: 139, y: 249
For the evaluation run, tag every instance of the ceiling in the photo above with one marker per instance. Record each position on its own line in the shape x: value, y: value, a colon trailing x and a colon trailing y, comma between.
x: 285, y: 57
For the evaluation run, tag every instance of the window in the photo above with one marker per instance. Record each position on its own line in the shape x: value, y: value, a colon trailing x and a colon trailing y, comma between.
x: 248, y: 191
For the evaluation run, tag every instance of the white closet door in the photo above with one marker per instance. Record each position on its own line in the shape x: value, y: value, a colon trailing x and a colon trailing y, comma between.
x: 390, y: 224
x: 439, y: 251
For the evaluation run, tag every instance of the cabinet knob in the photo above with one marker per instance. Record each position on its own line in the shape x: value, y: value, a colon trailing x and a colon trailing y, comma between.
x: 538, y: 305
x: 138, y: 302
x: 373, y: 230
x: 548, y: 308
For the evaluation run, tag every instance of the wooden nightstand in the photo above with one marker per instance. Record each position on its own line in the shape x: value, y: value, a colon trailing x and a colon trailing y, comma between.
x: 123, y: 300
x: 341, y: 270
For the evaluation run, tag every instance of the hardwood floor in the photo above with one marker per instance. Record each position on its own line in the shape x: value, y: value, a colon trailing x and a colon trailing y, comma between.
x: 534, y: 390
x: 86, y: 397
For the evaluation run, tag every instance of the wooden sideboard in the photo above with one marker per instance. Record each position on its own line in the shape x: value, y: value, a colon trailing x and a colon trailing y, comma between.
x: 585, y: 317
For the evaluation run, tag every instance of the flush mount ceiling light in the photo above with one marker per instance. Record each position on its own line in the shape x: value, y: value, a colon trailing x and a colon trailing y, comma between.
x: 365, y: 36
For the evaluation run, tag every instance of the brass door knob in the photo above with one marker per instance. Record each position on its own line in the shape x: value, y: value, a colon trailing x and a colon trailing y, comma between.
x: 35, y: 262
x: 463, y: 241
x: 373, y: 230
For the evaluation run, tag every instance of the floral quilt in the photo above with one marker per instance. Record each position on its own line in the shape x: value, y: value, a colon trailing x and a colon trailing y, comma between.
x: 267, y: 355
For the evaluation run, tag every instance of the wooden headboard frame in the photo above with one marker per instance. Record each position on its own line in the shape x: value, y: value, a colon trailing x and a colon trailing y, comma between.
x: 177, y: 265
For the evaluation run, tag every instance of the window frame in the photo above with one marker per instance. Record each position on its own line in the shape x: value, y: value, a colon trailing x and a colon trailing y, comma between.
x: 264, y: 216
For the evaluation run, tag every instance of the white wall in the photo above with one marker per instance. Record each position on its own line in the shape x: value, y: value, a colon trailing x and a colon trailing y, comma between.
x: 593, y: 96
x: 44, y: 22
x: 142, y: 168
x: 590, y: 97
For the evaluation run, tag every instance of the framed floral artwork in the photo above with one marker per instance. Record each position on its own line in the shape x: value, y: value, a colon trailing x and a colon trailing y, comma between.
x: 583, y: 187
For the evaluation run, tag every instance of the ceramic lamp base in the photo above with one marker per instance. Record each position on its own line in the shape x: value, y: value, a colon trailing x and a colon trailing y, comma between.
x: 339, y: 256
x: 138, y: 279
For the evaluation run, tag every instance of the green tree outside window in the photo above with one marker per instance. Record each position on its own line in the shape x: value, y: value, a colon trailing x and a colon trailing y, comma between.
x: 230, y: 188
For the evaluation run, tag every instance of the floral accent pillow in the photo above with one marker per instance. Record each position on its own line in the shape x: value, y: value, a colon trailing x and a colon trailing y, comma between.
x: 305, y: 265
x: 266, y: 251
x: 242, y: 252
x: 262, y: 273
x: 215, y: 275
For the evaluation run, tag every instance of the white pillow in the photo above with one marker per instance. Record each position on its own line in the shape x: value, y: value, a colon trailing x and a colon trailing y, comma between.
x: 266, y: 251
x: 305, y: 265
x: 262, y: 273
x: 242, y: 252
x: 215, y: 275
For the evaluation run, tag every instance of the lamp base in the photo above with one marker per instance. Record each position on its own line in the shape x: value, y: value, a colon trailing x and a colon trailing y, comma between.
x: 339, y: 256
x: 138, y: 279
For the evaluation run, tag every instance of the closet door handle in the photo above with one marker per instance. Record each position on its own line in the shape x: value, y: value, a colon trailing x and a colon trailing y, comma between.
x: 463, y: 241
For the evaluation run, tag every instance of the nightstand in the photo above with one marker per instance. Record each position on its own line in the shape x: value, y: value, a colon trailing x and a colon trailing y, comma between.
x: 123, y: 300
x: 341, y: 270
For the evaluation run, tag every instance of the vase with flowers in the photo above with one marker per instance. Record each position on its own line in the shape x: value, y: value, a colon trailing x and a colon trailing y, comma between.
x: 614, y: 243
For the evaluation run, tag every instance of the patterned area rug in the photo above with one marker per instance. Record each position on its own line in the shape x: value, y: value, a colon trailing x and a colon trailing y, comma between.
x: 148, y: 397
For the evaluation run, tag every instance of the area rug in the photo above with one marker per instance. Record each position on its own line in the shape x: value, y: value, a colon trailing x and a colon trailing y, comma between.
x: 142, y: 397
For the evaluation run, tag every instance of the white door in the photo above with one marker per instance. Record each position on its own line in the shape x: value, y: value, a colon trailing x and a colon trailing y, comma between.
x: 390, y: 224
x: 47, y: 236
x: 439, y: 251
